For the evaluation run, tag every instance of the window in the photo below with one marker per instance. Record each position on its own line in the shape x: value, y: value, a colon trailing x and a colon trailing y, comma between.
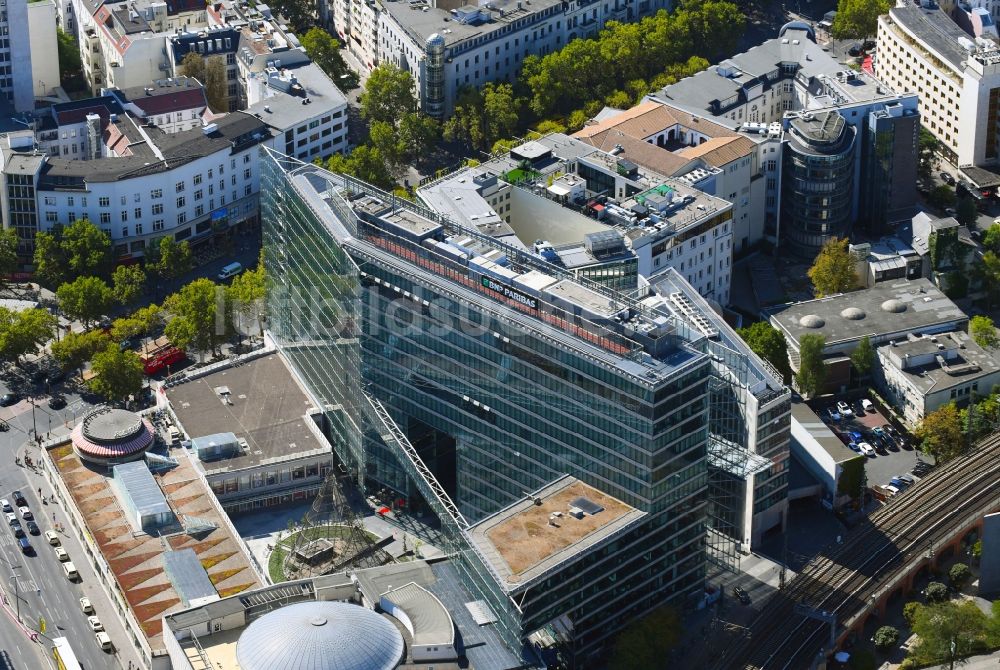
x: 123, y: 200
x: 50, y: 200
x: 136, y: 198
x: 124, y: 231
x: 247, y: 190
x: 181, y: 202
x: 179, y: 187
x: 104, y: 201
x: 197, y: 179
x: 52, y: 217
x: 105, y: 217
x: 157, y: 224
x: 199, y: 210
x: 181, y: 218
x: 246, y: 173
x: 138, y: 229
x: 198, y: 194
x: 137, y: 212
x: 156, y: 193
x: 69, y: 201
x: 124, y: 215
x: 158, y: 208
x: 246, y: 157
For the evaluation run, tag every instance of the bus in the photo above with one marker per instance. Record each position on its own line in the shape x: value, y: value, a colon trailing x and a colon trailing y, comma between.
x: 63, y: 653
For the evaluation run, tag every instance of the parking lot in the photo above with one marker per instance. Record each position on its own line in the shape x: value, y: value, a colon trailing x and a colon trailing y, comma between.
x: 890, y: 460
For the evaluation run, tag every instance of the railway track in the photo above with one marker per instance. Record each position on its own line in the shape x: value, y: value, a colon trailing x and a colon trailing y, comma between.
x: 842, y: 580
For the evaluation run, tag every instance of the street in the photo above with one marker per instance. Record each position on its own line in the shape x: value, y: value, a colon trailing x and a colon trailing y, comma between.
x: 35, y: 586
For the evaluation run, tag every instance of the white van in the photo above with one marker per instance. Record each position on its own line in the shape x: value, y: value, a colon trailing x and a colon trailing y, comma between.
x: 230, y: 270
x: 70, y: 570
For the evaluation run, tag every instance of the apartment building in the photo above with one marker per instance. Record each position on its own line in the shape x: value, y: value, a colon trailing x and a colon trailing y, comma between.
x: 921, y: 49
x: 447, y: 45
x: 304, y: 109
x: 646, y: 399
x: 139, y: 183
x: 172, y: 105
x: 760, y: 93
x: 214, y: 42
x: 28, y: 67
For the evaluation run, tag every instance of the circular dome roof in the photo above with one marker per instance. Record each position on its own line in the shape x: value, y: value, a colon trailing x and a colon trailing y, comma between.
x: 853, y: 313
x: 107, y: 434
x: 798, y: 25
x: 320, y: 636
x: 894, y: 306
x: 812, y: 321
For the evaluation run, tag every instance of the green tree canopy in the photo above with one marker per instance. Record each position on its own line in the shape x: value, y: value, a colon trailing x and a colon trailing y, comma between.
x: 941, y: 196
x: 769, y: 343
x: 49, y: 260
x: 811, y: 376
x: 940, y: 433
x: 948, y: 631
x: 24, y: 332
x: 86, y: 299
x: 833, y: 271
x: 389, y: 95
x: 367, y: 163
x: 70, y: 64
x: 984, y: 332
x: 886, y: 638
x: 324, y: 50
x: 8, y: 252
x: 991, y: 238
x: 128, y: 283
x: 648, y: 641
x: 928, y: 145
x: 117, y: 373
x: 247, y: 291
x: 483, y: 115
x: 197, y: 316
x: 168, y: 258
x: 75, y: 349
x: 966, y: 212
x: 87, y: 249
x: 858, y: 19
x: 301, y: 14
x: 959, y: 574
x: 987, y: 273
x: 863, y: 357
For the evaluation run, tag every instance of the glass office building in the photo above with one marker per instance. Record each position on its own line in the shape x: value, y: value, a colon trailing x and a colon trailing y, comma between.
x: 467, y: 377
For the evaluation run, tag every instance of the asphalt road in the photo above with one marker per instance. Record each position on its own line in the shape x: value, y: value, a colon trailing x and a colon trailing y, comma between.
x: 36, y: 584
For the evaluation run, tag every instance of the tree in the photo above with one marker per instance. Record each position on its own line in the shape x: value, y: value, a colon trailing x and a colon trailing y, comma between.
x: 196, y: 319
x: 949, y: 631
x: 984, y: 332
x: 216, y: 84
x: 192, y: 65
x: 8, y: 252
x: 833, y: 270
x: 858, y: 19
x: 70, y: 64
x: 812, y: 370
x: 910, y: 610
x: 648, y: 641
x: 966, y: 212
x: 940, y: 433
x: 301, y: 14
x: 369, y: 164
x: 49, y: 260
x: 936, y: 592
x: 128, y: 282
x: 87, y: 249
x: 389, y: 95
x: 483, y: 116
x: 927, y: 147
x: 987, y: 273
x: 863, y: 357
x: 247, y: 291
x: 941, y: 196
x: 991, y: 238
x: 75, y: 349
x: 142, y: 322
x: 168, y: 258
x: 86, y: 299
x: 117, y: 373
x: 24, y: 332
x: 324, y: 50
x: 769, y: 343
x: 959, y: 574
x: 886, y: 638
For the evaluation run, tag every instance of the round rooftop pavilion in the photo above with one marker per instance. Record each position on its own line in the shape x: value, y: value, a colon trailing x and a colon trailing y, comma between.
x: 107, y: 435
x: 320, y: 635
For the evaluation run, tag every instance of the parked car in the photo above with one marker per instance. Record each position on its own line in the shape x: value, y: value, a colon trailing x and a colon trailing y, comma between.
x: 6, y: 505
x: 19, y: 499
x: 893, y: 491
x: 86, y: 606
x: 922, y: 468
x: 866, y: 449
x: 907, y: 479
x: 25, y: 513
x: 854, y: 446
x: 898, y: 483
x: 104, y: 641
x: 11, y: 518
x: 95, y: 624
x: 855, y: 50
x: 62, y: 555
x: 32, y: 528
x: 855, y: 436
x: 867, y: 405
x: 57, y: 402
x: 26, y: 547
x: 18, y: 530
x: 8, y: 399
x: 742, y: 595
x: 947, y: 178
x: 52, y: 538
x: 845, y: 409
x: 833, y: 413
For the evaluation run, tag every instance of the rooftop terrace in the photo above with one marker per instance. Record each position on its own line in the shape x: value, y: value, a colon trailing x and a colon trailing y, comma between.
x: 526, y: 539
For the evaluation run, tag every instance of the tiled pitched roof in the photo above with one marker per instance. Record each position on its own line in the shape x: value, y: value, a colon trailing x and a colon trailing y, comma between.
x: 720, y: 151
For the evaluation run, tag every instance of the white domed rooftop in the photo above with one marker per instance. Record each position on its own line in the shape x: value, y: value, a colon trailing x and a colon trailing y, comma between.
x: 812, y: 321
x: 894, y: 306
x: 320, y: 636
x: 853, y: 313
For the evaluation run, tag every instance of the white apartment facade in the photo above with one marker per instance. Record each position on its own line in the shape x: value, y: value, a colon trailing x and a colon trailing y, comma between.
x: 956, y: 78
x: 190, y: 185
x: 28, y: 67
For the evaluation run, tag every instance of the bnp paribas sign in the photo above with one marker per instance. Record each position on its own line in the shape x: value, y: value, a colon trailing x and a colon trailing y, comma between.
x: 509, y: 292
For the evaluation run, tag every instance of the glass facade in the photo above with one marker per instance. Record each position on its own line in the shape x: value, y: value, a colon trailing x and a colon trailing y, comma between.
x: 446, y: 388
